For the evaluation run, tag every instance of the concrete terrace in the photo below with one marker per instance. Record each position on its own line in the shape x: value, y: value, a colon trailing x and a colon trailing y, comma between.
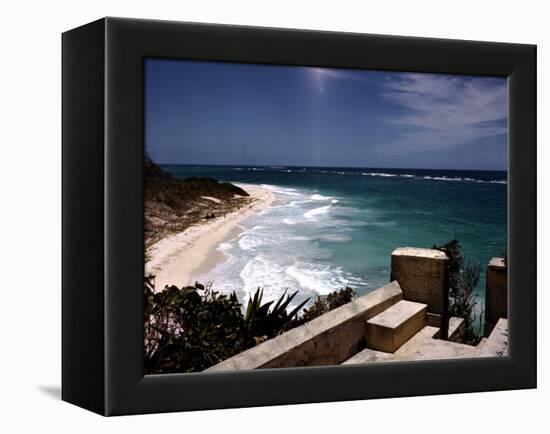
x: 400, y: 321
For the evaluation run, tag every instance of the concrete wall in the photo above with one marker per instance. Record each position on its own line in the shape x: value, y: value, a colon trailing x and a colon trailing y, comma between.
x: 422, y: 275
x: 327, y: 340
x: 496, y: 294
x: 418, y: 275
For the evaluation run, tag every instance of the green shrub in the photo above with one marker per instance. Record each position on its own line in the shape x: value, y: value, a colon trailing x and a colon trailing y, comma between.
x: 463, y: 279
x: 324, y: 304
x: 192, y: 328
x: 186, y: 331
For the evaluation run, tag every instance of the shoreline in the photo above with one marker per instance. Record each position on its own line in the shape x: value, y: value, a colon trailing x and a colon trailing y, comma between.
x: 176, y: 259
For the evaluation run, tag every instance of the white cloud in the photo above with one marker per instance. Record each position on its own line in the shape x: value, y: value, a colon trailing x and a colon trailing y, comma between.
x: 442, y: 110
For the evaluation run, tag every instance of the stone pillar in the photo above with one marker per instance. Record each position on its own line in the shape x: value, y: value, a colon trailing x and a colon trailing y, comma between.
x: 422, y: 275
x: 496, y: 293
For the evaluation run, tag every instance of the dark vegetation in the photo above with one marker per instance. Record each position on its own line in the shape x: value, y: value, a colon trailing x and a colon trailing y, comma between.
x: 324, y: 304
x: 192, y: 328
x: 172, y: 204
x: 152, y: 169
x: 463, y: 279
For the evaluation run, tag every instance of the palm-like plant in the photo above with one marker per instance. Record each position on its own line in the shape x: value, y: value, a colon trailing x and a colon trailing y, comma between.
x: 262, y: 323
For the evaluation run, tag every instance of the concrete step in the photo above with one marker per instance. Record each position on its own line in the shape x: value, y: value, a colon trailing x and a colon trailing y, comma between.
x: 369, y: 356
x: 426, y: 346
x: 497, y: 342
x: 393, y: 327
x: 456, y: 330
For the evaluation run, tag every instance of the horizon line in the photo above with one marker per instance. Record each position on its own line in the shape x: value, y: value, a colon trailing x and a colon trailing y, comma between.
x: 326, y: 167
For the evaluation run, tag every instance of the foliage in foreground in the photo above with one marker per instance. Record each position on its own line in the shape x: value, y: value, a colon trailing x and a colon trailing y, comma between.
x: 186, y: 331
x: 463, y: 279
x: 324, y: 304
x: 193, y: 328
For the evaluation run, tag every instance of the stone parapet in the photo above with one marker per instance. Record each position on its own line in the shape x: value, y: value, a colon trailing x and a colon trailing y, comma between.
x: 496, y: 293
x: 327, y: 340
x: 422, y: 275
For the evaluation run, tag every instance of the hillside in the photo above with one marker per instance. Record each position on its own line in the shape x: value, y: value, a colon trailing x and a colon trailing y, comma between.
x: 172, y: 204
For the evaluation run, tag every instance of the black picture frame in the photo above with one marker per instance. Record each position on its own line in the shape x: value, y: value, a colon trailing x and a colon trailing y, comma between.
x: 103, y: 149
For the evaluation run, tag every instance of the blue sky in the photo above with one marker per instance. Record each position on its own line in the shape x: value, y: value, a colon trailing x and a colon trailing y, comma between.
x: 245, y: 114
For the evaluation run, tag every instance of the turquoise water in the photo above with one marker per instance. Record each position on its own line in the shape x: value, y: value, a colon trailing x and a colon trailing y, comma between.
x: 331, y: 227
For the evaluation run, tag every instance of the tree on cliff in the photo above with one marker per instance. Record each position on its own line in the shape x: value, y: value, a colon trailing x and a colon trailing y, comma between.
x: 463, y: 279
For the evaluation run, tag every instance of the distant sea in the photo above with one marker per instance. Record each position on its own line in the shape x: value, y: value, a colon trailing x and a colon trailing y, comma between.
x: 332, y: 227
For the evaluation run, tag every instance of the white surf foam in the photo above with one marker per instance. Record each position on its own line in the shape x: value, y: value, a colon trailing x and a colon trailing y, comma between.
x: 384, y: 175
x: 442, y: 178
x: 320, y: 197
x: 314, y: 279
x: 224, y: 246
x: 281, y: 190
x: 466, y: 179
x: 319, y: 278
x: 269, y: 275
x: 311, y: 214
x: 250, y: 241
x: 339, y: 238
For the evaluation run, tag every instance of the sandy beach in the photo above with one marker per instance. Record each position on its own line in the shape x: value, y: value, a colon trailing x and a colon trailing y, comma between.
x: 178, y: 258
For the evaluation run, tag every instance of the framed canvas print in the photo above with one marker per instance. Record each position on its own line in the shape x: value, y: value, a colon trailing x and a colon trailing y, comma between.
x: 258, y: 216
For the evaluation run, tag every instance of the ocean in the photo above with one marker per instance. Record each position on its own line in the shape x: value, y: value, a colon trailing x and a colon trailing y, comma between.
x: 336, y: 227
